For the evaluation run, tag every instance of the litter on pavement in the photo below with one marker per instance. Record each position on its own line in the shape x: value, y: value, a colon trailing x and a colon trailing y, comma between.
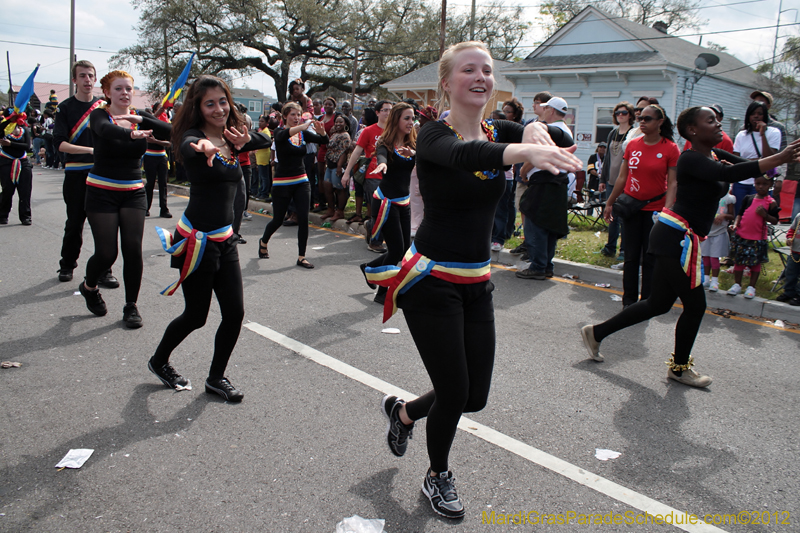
x: 605, y: 455
x: 356, y: 524
x: 75, y: 458
x: 391, y: 331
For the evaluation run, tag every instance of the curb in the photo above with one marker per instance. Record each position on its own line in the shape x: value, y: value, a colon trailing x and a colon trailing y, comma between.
x: 591, y: 274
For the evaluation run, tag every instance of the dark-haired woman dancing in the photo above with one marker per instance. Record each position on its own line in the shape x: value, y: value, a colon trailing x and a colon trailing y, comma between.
x: 209, y: 133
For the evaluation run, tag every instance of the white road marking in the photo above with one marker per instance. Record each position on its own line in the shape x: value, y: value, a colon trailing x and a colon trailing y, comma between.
x: 534, y: 455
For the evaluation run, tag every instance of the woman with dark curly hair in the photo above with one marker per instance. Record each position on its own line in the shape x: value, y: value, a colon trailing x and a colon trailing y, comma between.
x: 209, y: 133
x: 704, y: 174
x: 757, y: 139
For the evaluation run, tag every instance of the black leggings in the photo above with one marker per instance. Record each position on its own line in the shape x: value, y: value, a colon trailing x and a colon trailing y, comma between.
x: 396, y: 233
x: 636, y: 238
x: 301, y: 194
x: 672, y: 283
x: 155, y: 170
x: 129, y: 223
x: 226, y: 283
x: 458, y: 353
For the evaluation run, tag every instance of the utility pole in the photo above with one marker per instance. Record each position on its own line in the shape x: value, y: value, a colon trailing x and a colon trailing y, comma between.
x: 472, y: 23
x: 71, y: 46
x: 775, y: 43
x: 355, y: 79
x: 166, y: 59
x: 442, y: 29
x: 10, y: 87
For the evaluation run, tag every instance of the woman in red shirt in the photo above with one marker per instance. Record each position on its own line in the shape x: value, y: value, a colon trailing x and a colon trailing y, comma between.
x: 648, y: 174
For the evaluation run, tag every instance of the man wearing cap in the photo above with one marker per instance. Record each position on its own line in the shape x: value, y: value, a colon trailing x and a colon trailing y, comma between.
x: 347, y: 112
x: 594, y: 167
x: 545, y: 200
x: 726, y: 143
x: 766, y: 98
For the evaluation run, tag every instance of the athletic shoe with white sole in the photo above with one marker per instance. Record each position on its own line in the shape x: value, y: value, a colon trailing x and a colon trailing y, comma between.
x: 397, y: 433
x: 168, y: 375
x: 736, y: 289
x: 690, y: 377
x: 441, y: 491
x: 496, y: 246
x: 714, y: 286
x: 750, y: 292
x: 224, y: 388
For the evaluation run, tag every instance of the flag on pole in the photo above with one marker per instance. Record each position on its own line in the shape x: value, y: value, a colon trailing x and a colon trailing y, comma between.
x: 20, y: 103
x: 175, y: 92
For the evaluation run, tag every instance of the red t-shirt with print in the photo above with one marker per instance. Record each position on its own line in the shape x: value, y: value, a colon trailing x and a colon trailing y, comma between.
x: 647, y: 170
x: 366, y: 140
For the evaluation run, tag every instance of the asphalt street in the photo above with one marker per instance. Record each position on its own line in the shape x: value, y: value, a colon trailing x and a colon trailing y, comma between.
x: 306, y: 448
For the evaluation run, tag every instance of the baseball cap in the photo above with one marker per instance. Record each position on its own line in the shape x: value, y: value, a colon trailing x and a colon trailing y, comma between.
x: 717, y: 109
x: 557, y: 103
x: 762, y: 93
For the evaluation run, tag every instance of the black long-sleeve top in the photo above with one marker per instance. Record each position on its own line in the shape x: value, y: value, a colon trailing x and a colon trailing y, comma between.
x: 17, y: 149
x: 701, y: 184
x: 213, y: 188
x: 116, y: 155
x: 459, y: 206
x: 69, y: 112
x: 290, y: 157
x: 396, y: 181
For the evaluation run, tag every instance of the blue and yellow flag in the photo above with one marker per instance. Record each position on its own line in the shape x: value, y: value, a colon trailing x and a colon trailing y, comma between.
x: 20, y: 103
x: 177, y: 88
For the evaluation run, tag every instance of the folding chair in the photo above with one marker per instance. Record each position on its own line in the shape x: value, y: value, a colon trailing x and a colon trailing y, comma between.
x: 774, y: 236
x: 590, y: 207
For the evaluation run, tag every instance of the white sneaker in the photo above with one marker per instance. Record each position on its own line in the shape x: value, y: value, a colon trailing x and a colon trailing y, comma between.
x: 707, y: 283
x: 496, y: 246
x: 714, y: 286
x: 750, y: 292
x: 736, y: 289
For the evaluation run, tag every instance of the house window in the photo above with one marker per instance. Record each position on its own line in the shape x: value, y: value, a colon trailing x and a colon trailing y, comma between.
x: 255, y: 106
x: 603, y: 123
x: 572, y: 113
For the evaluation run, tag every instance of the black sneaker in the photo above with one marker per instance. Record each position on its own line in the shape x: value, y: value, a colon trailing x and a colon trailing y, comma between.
x: 441, y: 491
x: 165, y: 214
x: 147, y: 213
x: 94, y: 302
x: 4, y: 221
x: 377, y: 248
x: 380, y: 298
x: 131, y: 316
x: 549, y: 274
x: 783, y: 297
x: 26, y: 222
x: 169, y: 376
x: 108, y: 281
x: 518, y: 250
x: 65, y: 274
x: 608, y: 253
x: 363, y: 267
x: 530, y: 274
x: 224, y: 388
x: 397, y: 433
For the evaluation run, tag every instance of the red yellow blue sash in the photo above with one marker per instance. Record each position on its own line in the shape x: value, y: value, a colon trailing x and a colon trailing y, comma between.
x: 113, y: 185
x: 289, y: 180
x: 16, y: 165
x: 157, y: 153
x: 81, y: 125
x: 416, y: 266
x: 383, y: 211
x: 691, y: 257
x: 193, y: 245
x: 77, y: 165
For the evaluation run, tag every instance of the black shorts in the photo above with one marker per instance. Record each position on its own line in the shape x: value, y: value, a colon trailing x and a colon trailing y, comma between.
x: 104, y: 201
x: 438, y: 297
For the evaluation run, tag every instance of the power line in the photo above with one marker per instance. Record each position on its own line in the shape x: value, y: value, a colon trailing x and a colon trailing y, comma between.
x: 67, y: 47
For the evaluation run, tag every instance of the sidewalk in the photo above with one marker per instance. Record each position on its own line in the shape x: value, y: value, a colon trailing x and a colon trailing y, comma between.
x: 590, y: 274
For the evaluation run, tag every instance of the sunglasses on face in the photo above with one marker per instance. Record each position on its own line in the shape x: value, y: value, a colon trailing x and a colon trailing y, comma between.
x: 638, y: 109
x: 621, y: 112
x: 647, y: 119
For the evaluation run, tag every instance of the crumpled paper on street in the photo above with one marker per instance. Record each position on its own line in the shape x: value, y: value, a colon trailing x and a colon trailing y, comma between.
x: 10, y: 364
x: 75, y: 458
x: 605, y: 455
x: 356, y: 524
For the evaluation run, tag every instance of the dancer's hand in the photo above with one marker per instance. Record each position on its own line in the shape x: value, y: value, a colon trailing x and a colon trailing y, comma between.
x: 237, y: 138
x: 319, y: 127
x: 553, y: 159
x: 380, y: 169
x: 406, y: 151
x: 141, y: 134
x: 133, y: 119
x: 207, y: 148
x: 536, y: 133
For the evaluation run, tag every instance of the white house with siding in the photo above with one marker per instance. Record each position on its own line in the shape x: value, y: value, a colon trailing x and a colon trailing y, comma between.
x: 595, y: 61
